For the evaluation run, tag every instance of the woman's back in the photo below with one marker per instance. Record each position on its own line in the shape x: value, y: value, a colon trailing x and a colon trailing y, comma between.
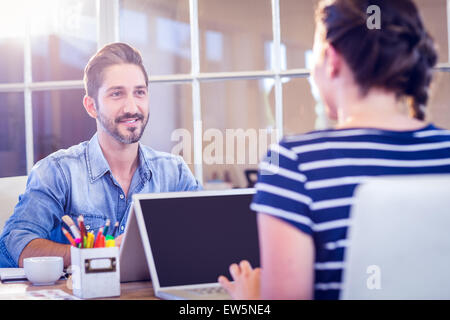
x: 309, y: 180
x: 365, y: 78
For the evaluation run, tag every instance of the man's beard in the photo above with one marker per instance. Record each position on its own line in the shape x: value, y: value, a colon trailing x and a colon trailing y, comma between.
x: 112, y: 127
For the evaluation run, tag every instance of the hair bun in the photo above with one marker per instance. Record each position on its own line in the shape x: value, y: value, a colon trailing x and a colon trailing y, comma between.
x: 399, y: 57
x: 422, y: 75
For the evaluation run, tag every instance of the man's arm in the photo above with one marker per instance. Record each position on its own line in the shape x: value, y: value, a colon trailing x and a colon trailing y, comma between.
x: 36, y: 216
x: 44, y: 247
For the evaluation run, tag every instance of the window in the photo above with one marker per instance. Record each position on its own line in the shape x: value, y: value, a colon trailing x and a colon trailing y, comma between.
x: 170, y: 124
x: 233, y: 34
x: 297, y: 30
x: 161, y: 31
x: 438, y: 106
x: 63, y: 38
x: 12, y: 133
x: 236, y: 115
x: 215, y: 67
x: 45, y: 47
x: 59, y: 121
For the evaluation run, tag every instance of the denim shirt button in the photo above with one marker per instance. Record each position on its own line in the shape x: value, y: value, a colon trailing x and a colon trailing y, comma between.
x: 88, y: 227
x: 122, y: 196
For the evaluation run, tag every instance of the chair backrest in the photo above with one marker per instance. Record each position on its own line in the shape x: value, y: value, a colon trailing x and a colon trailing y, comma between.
x: 10, y: 189
x: 399, y: 239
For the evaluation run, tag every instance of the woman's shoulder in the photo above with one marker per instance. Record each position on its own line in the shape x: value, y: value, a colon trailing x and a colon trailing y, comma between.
x: 295, y: 141
x: 362, y: 134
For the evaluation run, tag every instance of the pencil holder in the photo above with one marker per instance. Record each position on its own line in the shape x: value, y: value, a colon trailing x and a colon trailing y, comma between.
x: 95, y: 272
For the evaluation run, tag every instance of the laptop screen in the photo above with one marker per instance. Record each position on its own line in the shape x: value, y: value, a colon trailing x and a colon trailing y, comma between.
x: 195, y: 239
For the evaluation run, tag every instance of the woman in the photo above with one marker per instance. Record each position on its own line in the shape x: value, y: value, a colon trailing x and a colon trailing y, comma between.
x: 303, y: 199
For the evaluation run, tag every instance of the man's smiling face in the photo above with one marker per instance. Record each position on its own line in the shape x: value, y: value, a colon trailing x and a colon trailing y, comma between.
x: 123, y: 103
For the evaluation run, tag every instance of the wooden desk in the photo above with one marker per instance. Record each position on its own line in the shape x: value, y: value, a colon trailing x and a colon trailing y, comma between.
x: 128, y: 291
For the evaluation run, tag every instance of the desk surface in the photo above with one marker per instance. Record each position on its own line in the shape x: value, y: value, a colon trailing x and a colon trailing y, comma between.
x: 128, y: 291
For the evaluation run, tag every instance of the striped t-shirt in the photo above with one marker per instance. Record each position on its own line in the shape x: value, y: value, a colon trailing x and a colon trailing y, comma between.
x: 309, y: 181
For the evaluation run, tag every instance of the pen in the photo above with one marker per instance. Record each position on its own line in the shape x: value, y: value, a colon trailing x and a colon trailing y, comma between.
x: 69, y: 237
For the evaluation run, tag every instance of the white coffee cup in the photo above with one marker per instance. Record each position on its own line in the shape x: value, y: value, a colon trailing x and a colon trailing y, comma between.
x: 43, y: 271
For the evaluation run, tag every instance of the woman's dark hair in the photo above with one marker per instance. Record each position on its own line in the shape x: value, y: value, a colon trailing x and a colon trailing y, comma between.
x: 398, y: 57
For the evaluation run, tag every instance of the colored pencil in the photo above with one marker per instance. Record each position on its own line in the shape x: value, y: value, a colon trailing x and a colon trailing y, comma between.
x: 105, y: 231
x: 78, y: 242
x: 110, y: 243
x: 69, y: 237
x: 68, y: 221
x: 80, y: 221
x: 116, y: 227
x: 97, y: 239
x: 90, y: 240
x: 102, y: 241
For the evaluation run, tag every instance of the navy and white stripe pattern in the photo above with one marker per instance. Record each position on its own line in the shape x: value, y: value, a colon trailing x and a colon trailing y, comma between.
x: 309, y: 181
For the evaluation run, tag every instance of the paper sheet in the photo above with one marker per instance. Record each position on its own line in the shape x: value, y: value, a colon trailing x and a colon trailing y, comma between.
x: 12, y: 274
x: 52, y: 294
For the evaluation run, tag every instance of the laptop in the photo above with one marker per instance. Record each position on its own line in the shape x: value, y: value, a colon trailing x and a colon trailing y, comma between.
x: 190, y: 238
x: 133, y: 263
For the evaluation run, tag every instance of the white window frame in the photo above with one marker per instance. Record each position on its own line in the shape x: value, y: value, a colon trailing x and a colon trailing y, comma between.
x: 108, y: 31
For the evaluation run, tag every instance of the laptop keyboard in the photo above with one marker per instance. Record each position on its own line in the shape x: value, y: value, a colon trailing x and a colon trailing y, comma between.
x: 211, y: 290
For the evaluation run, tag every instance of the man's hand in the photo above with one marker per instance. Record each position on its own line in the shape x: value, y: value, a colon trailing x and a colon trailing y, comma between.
x: 246, y: 285
x: 44, y: 247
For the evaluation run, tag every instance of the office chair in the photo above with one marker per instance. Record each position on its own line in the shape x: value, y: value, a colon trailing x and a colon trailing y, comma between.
x: 399, y: 239
x: 252, y: 177
x: 10, y: 189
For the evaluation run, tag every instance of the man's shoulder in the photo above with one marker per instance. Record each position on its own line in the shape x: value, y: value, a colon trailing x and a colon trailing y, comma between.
x: 154, y: 156
x: 169, y: 169
x: 71, y: 154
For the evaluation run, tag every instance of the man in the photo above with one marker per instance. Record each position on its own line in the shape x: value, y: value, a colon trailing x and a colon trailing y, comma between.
x: 96, y: 178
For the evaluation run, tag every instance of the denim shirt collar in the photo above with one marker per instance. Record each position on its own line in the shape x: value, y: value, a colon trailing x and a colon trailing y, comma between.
x: 98, y: 166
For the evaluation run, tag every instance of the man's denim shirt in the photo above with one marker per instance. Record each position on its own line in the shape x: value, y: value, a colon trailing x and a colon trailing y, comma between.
x: 78, y: 181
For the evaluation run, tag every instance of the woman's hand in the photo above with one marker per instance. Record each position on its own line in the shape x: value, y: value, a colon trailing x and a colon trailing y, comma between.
x: 118, y: 240
x: 246, y: 285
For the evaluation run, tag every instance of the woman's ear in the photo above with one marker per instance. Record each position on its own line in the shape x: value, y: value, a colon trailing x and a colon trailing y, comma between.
x: 89, y: 105
x: 334, y: 62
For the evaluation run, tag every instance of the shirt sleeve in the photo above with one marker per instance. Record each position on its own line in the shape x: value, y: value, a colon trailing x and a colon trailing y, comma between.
x: 280, y: 189
x: 37, y: 213
x: 186, y: 181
